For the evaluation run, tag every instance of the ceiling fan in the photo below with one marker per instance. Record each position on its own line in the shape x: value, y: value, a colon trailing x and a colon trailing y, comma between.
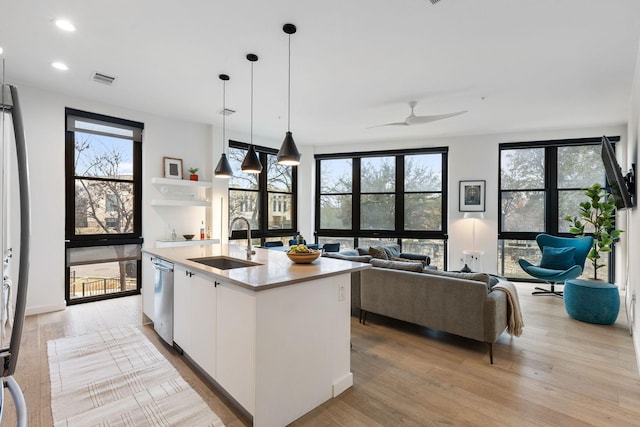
x: 412, y: 119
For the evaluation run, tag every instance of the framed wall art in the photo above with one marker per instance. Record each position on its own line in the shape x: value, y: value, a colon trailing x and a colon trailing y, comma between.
x: 172, y: 168
x: 472, y: 196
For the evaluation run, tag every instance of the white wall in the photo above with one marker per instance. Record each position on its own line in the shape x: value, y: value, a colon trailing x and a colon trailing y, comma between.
x: 45, y: 133
x: 633, y: 219
x: 474, y: 158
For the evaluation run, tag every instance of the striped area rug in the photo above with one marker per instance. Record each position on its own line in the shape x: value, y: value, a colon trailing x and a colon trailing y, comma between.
x: 116, y: 377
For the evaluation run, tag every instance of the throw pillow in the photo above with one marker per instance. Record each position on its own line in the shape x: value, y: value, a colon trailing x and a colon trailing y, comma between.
x: 363, y: 250
x: 557, y: 258
x: 478, y: 277
x: 378, y: 252
x: 392, y: 250
x: 395, y: 265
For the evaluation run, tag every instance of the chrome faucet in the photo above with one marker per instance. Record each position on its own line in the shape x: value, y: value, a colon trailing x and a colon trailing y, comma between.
x: 241, y: 218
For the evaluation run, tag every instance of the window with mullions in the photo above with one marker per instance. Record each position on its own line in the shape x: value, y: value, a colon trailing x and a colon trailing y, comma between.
x: 103, y: 206
x: 267, y: 200
x: 540, y: 184
x: 389, y: 196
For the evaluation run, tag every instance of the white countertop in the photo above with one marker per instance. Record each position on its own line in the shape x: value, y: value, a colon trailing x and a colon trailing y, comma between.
x: 275, y: 268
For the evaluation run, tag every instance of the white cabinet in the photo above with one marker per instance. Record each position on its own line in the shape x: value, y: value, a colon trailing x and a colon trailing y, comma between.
x: 148, y: 275
x: 181, y: 192
x: 235, y: 352
x: 203, y: 309
x: 182, y: 332
x: 194, y: 322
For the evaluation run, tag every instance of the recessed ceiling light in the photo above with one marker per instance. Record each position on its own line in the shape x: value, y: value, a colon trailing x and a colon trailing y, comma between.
x: 59, y: 66
x: 65, y: 25
x: 0, y: 50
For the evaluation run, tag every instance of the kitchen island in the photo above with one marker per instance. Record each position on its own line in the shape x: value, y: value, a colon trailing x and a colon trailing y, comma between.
x: 275, y: 337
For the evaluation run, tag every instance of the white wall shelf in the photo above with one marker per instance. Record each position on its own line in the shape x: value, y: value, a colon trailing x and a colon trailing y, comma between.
x: 181, y: 192
x: 180, y: 182
x: 168, y: 202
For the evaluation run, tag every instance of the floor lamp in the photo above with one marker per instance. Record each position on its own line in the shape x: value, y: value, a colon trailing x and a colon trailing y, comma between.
x: 473, y: 216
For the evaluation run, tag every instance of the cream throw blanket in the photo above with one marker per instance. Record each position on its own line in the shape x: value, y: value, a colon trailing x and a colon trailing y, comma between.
x: 514, y: 314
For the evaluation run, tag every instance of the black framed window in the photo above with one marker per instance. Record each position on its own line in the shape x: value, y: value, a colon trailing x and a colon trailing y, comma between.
x: 103, y: 224
x: 395, y: 196
x: 268, y: 199
x: 540, y: 183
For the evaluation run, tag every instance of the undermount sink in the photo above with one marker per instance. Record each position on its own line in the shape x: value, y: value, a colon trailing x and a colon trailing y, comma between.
x: 223, y: 262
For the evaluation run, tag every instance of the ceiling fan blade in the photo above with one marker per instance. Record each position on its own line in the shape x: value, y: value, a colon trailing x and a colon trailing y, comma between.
x: 419, y: 120
x: 390, y: 124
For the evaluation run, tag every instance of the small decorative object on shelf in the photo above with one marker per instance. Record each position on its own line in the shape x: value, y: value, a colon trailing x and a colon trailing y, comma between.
x: 202, y: 230
x: 194, y: 174
x: 188, y: 236
x: 172, y: 168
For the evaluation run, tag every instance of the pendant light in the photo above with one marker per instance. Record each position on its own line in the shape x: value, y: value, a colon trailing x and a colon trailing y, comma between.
x: 251, y: 162
x: 223, y: 170
x: 289, y: 154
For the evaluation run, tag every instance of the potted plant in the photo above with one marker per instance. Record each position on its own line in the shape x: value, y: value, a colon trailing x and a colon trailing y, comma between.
x: 194, y: 174
x: 599, y: 211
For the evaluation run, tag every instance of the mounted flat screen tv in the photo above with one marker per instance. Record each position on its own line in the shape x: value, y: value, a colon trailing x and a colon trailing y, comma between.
x: 622, y: 187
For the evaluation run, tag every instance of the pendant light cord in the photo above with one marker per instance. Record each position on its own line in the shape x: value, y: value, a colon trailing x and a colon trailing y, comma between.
x: 289, y: 90
x: 251, y: 128
x: 224, y: 115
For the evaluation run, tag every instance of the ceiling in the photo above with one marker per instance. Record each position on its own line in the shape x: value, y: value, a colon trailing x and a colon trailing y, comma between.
x: 515, y: 65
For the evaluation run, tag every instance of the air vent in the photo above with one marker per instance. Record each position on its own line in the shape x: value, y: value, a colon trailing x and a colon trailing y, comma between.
x: 226, y: 111
x: 103, y: 78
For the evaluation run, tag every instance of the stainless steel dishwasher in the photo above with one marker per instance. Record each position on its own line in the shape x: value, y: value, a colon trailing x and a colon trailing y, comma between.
x: 163, y: 299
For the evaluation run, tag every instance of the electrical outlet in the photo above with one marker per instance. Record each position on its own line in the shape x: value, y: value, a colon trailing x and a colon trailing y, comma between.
x: 341, y: 293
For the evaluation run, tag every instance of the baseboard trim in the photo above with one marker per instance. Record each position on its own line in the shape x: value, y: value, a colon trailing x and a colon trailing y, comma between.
x: 342, y: 384
x: 40, y: 309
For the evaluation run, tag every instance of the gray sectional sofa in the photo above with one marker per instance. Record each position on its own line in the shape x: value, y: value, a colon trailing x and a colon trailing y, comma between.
x: 463, y: 304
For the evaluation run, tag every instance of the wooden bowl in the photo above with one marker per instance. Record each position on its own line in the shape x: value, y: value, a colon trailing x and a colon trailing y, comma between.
x: 303, y: 258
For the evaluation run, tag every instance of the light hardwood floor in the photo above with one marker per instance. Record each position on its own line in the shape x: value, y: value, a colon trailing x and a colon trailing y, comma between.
x: 560, y: 372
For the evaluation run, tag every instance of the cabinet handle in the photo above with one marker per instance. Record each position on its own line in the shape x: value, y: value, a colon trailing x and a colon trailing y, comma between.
x: 188, y: 274
x: 216, y: 283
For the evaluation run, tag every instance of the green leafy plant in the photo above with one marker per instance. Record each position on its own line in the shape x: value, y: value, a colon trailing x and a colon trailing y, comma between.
x: 598, y: 211
x: 193, y: 171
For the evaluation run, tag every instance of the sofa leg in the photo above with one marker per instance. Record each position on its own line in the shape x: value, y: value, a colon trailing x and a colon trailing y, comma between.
x: 363, y: 317
x: 491, y: 352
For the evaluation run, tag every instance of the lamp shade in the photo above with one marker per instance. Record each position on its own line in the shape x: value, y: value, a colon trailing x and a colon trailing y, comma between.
x: 289, y: 154
x: 474, y: 215
x: 251, y: 162
x: 223, y: 169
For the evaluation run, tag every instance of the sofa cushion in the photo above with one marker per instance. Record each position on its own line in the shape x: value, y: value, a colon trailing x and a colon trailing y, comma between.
x: 478, y: 277
x: 557, y: 258
x: 397, y: 265
x: 378, y: 252
x: 415, y: 261
x: 354, y: 258
x: 349, y: 252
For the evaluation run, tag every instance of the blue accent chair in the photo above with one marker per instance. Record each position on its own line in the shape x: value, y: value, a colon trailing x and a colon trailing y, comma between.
x: 293, y: 242
x: 273, y: 244
x: 563, y: 259
x: 331, y: 247
x: 590, y: 301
